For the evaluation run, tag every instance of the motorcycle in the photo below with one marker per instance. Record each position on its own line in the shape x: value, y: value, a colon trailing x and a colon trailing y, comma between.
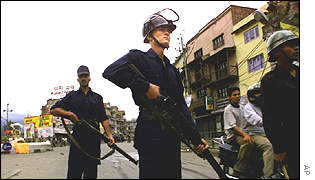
x: 228, y: 157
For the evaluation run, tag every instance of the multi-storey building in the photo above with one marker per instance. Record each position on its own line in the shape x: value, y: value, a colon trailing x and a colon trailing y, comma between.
x: 131, y: 126
x: 117, y: 121
x: 212, y: 63
x: 251, y: 52
x: 116, y: 118
x: 50, y: 102
x: 179, y: 64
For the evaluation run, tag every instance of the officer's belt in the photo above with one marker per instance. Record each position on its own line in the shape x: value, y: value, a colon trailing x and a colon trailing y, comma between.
x: 146, y: 113
x: 154, y: 115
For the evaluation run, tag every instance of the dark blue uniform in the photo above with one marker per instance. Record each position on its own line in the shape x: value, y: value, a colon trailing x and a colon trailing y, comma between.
x: 159, y: 151
x: 281, y: 114
x: 89, y: 107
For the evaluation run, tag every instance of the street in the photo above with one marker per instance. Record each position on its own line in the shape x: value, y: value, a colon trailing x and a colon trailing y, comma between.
x: 53, y: 164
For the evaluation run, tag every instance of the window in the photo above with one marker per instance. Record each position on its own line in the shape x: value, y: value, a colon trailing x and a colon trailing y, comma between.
x: 218, y: 42
x: 198, y: 65
x: 221, y: 67
x: 222, y: 93
x: 256, y: 63
x: 201, y: 93
x: 198, y: 53
x: 251, y: 34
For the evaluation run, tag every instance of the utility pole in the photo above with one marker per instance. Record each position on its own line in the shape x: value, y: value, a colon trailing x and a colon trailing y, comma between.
x: 7, y: 113
x: 185, y: 65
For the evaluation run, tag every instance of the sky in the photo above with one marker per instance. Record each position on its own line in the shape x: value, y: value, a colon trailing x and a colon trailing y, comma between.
x: 43, y: 44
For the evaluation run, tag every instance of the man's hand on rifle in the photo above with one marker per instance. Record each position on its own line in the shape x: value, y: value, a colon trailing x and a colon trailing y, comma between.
x: 112, y: 140
x: 153, y: 92
x: 73, y: 117
x: 201, y: 147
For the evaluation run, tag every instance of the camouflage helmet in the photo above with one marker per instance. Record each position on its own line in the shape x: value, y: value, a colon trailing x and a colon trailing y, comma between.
x: 154, y: 21
x: 278, y: 38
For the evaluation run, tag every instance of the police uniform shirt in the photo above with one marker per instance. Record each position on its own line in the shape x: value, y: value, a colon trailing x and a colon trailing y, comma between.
x: 148, y: 133
x: 280, y: 109
x: 90, y: 107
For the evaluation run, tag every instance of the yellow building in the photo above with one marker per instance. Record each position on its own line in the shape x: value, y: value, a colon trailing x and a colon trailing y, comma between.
x: 251, y: 52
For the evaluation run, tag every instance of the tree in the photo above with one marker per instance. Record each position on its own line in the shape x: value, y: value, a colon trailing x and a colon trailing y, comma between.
x: 282, y: 15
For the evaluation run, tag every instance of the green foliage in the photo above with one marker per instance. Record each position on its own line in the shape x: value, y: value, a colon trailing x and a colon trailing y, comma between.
x: 284, y: 11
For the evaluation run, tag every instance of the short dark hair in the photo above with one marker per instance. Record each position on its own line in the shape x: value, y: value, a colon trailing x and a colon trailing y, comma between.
x: 231, y: 89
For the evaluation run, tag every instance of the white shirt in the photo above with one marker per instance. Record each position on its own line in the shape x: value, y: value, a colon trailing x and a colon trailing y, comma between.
x: 233, y: 116
x: 254, y: 120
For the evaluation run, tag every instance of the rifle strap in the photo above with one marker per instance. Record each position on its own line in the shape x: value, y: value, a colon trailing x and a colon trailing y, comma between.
x: 80, y: 148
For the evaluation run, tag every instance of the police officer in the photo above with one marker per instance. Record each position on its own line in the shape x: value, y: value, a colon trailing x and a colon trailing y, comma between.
x: 88, y: 105
x: 159, y: 150
x: 281, y: 102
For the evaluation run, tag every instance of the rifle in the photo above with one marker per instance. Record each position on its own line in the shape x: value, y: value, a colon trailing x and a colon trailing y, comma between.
x: 104, y: 137
x: 166, y: 110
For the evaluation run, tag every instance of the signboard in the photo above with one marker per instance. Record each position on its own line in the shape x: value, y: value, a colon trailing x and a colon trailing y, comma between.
x: 29, y: 130
x: 45, y: 131
x: 61, y: 91
x: 34, y: 119
x: 7, y: 146
x: 59, y: 126
x: 209, y: 103
x: 46, y: 120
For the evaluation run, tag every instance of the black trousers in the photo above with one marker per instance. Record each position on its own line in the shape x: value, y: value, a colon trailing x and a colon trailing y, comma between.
x: 159, y: 164
x: 75, y: 171
x: 79, y: 164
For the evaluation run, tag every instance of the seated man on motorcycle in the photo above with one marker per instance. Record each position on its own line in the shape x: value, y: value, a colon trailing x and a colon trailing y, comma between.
x: 234, y: 122
x: 254, y: 127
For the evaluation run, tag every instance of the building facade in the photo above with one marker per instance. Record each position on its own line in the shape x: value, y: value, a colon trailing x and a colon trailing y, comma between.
x: 117, y: 121
x: 212, y: 63
x: 251, y: 52
x: 180, y: 65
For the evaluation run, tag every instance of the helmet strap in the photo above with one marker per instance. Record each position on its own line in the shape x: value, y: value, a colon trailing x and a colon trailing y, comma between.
x: 158, y: 43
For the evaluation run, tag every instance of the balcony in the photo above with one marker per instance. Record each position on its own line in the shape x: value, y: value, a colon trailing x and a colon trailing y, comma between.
x: 222, y: 102
x: 226, y: 74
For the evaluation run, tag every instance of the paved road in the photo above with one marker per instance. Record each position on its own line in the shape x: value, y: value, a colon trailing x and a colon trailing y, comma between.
x: 53, y: 164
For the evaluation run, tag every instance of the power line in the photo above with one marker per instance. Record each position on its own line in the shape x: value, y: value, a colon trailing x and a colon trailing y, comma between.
x: 249, y: 54
x: 265, y: 67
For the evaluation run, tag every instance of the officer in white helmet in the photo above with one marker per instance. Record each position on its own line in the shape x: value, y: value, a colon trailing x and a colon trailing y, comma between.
x: 158, y: 148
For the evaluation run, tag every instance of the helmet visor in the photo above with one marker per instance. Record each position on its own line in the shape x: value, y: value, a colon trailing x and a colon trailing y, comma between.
x: 169, y: 15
